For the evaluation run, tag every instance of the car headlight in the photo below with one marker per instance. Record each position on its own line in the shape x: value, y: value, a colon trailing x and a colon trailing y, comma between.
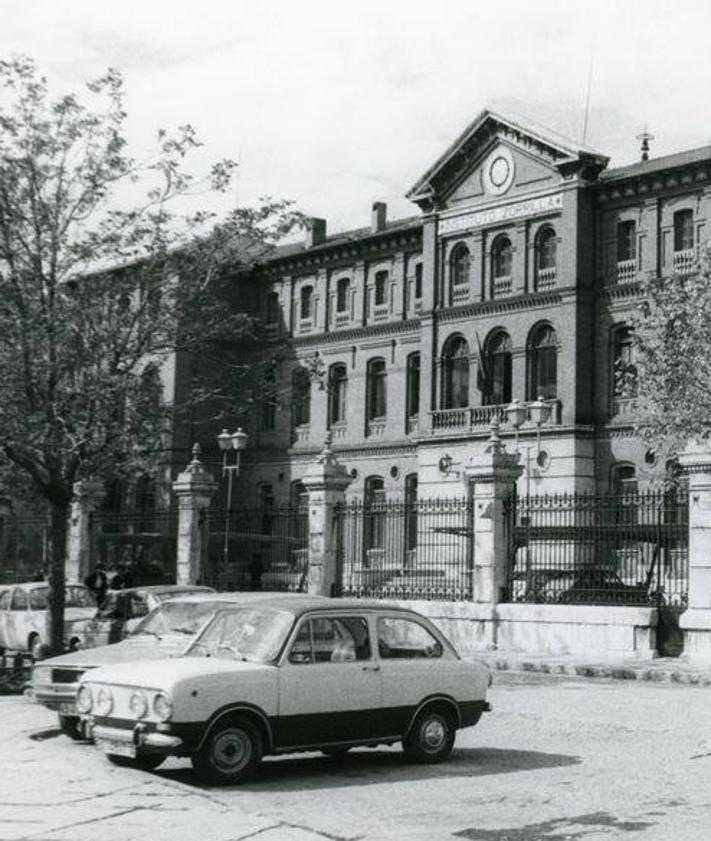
x: 162, y: 706
x: 85, y: 699
x: 104, y: 701
x: 138, y: 704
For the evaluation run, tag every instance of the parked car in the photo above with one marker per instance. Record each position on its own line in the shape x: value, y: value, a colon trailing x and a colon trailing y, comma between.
x: 604, y: 586
x: 285, y: 675
x: 24, y: 615
x: 165, y: 632
x: 123, y: 610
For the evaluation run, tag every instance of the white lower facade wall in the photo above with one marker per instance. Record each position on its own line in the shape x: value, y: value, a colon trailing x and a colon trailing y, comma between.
x: 585, y: 630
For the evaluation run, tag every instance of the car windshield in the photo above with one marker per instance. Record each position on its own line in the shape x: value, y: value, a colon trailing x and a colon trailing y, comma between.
x: 74, y: 596
x: 177, y: 618
x: 171, y: 594
x: 256, y: 634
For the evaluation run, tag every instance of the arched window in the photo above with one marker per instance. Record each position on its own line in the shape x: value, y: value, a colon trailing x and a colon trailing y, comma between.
x: 546, y: 258
x: 624, y: 372
x: 459, y: 264
x: 377, y: 390
x: 337, y: 391
x: 413, y: 390
x: 342, y: 289
x: 301, y: 396
x: 306, y: 302
x: 375, y: 514
x: 498, y: 362
x: 501, y: 257
x: 381, y: 289
x: 269, y: 400
x: 542, y: 353
x: 455, y: 374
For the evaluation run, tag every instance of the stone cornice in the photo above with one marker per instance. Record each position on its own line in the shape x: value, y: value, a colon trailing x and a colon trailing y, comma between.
x: 354, y: 334
x: 621, y: 291
x: 502, y: 305
x: 361, y: 450
x: 633, y: 186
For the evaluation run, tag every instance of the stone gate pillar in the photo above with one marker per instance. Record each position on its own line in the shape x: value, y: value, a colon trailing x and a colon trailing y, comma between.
x: 491, y: 478
x: 194, y: 488
x: 325, y: 480
x: 695, y: 622
x: 88, y: 496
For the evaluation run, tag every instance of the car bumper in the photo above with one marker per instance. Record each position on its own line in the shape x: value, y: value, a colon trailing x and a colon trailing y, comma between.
x: 60, y: 698
x: 121, y: 740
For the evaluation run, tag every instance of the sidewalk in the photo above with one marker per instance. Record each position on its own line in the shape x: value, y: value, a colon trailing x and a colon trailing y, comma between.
x: 677, y: 670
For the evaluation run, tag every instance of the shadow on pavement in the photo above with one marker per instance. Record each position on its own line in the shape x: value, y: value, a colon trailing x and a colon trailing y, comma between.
x: 370, y: 767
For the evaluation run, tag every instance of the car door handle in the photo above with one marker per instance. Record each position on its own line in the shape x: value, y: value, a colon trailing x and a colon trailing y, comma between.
x: 371, y: 668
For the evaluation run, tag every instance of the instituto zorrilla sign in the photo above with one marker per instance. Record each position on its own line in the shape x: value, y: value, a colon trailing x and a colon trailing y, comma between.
x: 503, y: 213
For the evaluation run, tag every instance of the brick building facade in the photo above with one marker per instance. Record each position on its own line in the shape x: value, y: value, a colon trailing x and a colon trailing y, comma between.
x: 516, y: 280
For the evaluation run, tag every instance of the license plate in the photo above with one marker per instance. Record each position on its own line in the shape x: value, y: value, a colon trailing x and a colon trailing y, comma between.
x: 68, y: 708
x: 118, y: 748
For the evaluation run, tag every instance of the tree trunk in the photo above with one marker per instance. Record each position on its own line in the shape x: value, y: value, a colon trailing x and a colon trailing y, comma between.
x: 60, y: 514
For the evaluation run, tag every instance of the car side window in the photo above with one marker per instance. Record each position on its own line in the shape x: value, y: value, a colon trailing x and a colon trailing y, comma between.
x: 330, y: 639
x: 20, y: 601
x: 401, y: 638
x: 138, y: 606
x: 5, y: 600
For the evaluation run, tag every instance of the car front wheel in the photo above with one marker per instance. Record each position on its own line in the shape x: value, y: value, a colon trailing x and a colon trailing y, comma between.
x: 431, y: 737
x: 230, y: 753
x: 71, y: 726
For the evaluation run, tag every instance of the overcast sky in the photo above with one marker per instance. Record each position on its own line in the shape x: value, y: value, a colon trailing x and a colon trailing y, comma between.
x: 337, y: 104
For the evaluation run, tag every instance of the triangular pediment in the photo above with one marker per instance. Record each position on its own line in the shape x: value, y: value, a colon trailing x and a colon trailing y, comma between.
x: 497, y: 157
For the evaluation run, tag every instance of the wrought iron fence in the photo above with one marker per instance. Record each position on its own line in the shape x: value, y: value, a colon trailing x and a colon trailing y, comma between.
x: 413, y: 549
x: 266, y: 548
x: 25, y: 548
x: 146, y: 541
x: 626, y: 549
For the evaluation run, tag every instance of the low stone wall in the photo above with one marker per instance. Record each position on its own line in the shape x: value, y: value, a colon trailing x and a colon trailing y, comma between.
x: 544, y: 629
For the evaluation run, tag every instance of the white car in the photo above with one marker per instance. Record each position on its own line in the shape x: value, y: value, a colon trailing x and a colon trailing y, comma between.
x: 283, y: 675
x: 24, y: 615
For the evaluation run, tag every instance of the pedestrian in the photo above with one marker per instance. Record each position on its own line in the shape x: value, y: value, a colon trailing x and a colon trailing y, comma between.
x: 123, y: 579
x: 98, y: 583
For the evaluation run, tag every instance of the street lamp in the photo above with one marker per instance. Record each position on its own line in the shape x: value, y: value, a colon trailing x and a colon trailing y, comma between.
x: 538, y: 411
x: 228, y: 442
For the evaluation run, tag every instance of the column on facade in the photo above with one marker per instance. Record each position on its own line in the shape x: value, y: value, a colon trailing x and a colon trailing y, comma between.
x: 569, y: 252
x: 490, y: 478
x: 477, y: 266
x: 325, y: 480
x: 88, y: 496
x: 429, y: 373
x: 398, y: 288
x: 648, y: 239
x: 695, y: 621
x: 519, y: 261
x: 518, y: 372
x: 194, y: 487
x: 360, y: 297
x: 321, y: 314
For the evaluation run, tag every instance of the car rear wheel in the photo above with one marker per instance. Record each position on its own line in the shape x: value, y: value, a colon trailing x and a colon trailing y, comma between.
x: 36, y: 647
x: 432, y: 735
x: 143, y: 761
x: 75, y: 645
x: 230, y: 754
x: 71, y: 726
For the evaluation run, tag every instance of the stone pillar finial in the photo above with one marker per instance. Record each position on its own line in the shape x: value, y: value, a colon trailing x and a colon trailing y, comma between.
x: 194, y: 488
x: 88, y: 496
x: 494, y: 444
x: 196, y: 453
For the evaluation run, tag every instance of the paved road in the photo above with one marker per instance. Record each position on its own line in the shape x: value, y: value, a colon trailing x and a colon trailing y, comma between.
x: 559, y: 758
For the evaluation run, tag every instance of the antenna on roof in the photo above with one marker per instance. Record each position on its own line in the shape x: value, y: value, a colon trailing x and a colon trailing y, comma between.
x: 587, y: 97
x: 645, y: 137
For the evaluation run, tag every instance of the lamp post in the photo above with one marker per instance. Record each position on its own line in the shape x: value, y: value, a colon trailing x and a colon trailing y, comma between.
x: 538, y: 411
x: 228, y: 442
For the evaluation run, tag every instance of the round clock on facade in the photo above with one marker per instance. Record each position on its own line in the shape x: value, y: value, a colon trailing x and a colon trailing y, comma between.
x: 498, y: 172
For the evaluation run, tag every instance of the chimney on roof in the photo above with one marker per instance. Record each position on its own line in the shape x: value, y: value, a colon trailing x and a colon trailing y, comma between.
x: 645, y: 137
x: 315, y: 231
x: 378, y: 217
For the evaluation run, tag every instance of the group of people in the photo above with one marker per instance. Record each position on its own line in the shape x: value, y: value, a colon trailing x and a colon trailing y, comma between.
x: 99, y: 581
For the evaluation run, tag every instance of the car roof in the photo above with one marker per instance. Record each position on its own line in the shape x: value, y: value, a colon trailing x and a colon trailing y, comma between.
x: 34, y: 585
x: 168, y: 588
x: 299, y: 603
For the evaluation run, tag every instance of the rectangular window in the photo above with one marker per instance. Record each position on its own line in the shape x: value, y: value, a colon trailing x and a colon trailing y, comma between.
x: 683, y: 230
x: 418, y: 282
x: 377, y: 390
x: 342, y: 295
x: 626, y: 241
x: 381, y: 288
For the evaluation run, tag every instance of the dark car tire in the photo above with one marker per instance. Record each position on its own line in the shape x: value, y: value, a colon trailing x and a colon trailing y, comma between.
x: 230, y: 754
x: 36, y: 646
x: 144, y: 761
x: 71, y: 726
x: 431, y: 737
x: 336, y: 751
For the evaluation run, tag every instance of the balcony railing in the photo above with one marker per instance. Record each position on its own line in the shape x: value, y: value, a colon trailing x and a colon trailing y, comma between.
x: 626, y: 270
x: 460, y: 294
x: 684, y: 262
x: 301, y: 434
x: 339, y: 429
x: 546, y: 278
x: 502, y: 286
x: 376, y: 427
x: 623, y: 408
x: 478, y: 418
x: 342, y: 318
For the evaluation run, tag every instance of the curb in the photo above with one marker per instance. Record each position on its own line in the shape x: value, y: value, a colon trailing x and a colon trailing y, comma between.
x: 661, y: 673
